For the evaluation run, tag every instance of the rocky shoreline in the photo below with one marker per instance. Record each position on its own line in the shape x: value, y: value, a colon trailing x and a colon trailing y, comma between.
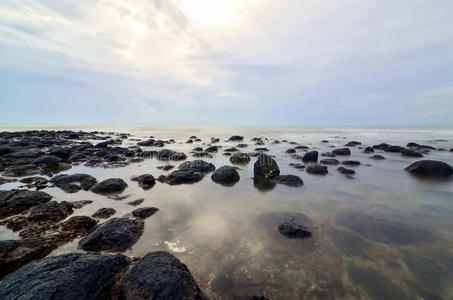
x: 39, y: 159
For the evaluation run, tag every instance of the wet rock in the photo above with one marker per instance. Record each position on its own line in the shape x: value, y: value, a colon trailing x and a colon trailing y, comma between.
x: 262, y: 149
x: 166, y: 167
x: 345, y: 171
x: 144, y: 212
x: 232, y: 149
x: 353, y: 144
x: 236, y: 138
x: 183, y: 176
x: 225, y: 175
x: 377, y: 157
x: 158, y: 275
x: 145, y: 181
x: 109, y: 186
x: 73, y: 183
x: 311, y: 156
x: 166, y: 154
x: 302, y: 147
x: 202, y: 154
x: 48, y: 161
x: 382, y: 230
x: 350, y: 163
x: 410, y: 153
x: 297, y: 166
x: 394, y: 149
x: 293, y: 230
x: 265, y: 167
x: 115, y: 235
x: 368, y: 150
x: 13, y: 202
x: 291, y: 150
x: 136, y: 202
x: 241, y: 145
x: 198, y: 149
x: 330, y: 161
x: 317, y: 170
x: 290, y: 180
x: 240, y: 158
x: 215, y: 140
x: 78, y: 226
x: 342, y: 151
x: 71, y: 276
x: 212, y: 149
x: 51, y: 211
x: 62, y: 153
x: 4, y: 180
x: 104, y: 213
x: 189, y: 142
x: 430, y: 168
x: 200, y: 166
x: 161, y: 178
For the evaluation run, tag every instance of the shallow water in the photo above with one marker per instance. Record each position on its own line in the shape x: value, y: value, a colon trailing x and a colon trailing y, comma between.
x: 382, y: 235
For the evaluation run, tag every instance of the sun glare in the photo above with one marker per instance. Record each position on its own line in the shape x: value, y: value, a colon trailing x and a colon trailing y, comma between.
x: 211, y: 12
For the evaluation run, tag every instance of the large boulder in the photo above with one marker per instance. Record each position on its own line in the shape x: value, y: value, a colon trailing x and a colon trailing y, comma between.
x: 183, y: 176
x: 115, y: 235
x: 158, y: 275
x: 430, y: 168
x: 71, y: 276
x: 109, y: 186
x: 225, y: 175
x: 311, y: 156
x: 16, y: 201
x: 265, y: 167
x: 198, y: 165
x: 74, y: 183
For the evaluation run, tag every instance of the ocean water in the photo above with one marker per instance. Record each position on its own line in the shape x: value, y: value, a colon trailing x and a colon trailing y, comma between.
x: 382, y: 235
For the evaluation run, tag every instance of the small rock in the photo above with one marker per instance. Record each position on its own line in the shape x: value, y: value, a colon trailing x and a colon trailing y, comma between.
x: 345, y: 171
x: 317, y: 170
x: 293, y: 230
x: 166, y: 167
x: 311, y: 156
x: 240, y: 158
x: 136, y: 202
x: 81, y: 203
x: 410, y: 153
x: 330, y: 161
x: 377, y: 157
x: 342, y: 151
x: 290, y: 180
x: 144, y: 212
x: 350, y: 162
x: 236, y: 138
x: 109, y: 186
x: 104, y: 213
x: 145, y: 181
x: 73, y: 183
x: 200, y: 166
x: 225, y: 175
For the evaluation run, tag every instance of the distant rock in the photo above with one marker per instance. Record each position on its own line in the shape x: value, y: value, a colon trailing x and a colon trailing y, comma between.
x: 240, y: 158
x: 265, y: 167
x: 136, y: 202
x: 73, y: 183
x: 104, y: 213
x: 317, y: 170
x: 144, y: 212
x: 291, y: 150
x: 410, y: 153
x: 109, y: 186
x: 345, y: 171
x: 353, y: 144
x: 377, y: 157
x: 330, y: 161
x: 81, y: 203
x: 115, y: 235
x: 166, y: 154
x: 311, y: 156
x: 158, y: 275
x: 350, y: 163
x: 225, y: 175
x: 368, y: 150
x: 290, y: 180
x: 183, y: 176
x: 342, y: 151
x: 166, y: 167
x: 430, y: 168
x: 71, y: 276
x: 198, y: 165
x: 236, y: 138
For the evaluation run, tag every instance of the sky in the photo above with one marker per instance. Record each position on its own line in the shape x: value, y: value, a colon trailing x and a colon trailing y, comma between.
x: 226, y: 62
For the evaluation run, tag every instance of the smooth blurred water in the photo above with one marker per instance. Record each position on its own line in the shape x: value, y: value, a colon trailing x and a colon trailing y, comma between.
x: 228, y: 239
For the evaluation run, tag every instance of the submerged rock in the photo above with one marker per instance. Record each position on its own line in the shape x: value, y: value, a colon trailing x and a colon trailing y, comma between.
x: 293, y: 230
x: 430, y: 168
x: 345, y: 171
x: 290, y: 180
x: 317, y: 170
x: 350, y: 163
x: 145, y: 181
x: 72, y: 276
x: 183, y: 176
x: 311, y: 156
x: 265, y: 167
x: 15, y: 201
x: 144, y: 212
x: 377, y: 157
x: 104, y: 213
x: 73, y: 183
x: 342, y: 151
x: 115, y: 235
x: 109, y: 186
x: 330, y: 161
x: 410, y: 153
x: 240, y: 158
x: 225, y: 175
x: 158, y: 275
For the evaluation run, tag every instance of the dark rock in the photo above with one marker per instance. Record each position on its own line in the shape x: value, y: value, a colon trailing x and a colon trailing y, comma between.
x: 109, y: 186
x: 302, y: 147
x: 241, y: 145
x: 16, y: 201
x: 212, y: 149
x: 393, y: 148
x: 240, y: 158
x: 215, y: 140
x: 262, y: 149
x: 166, y: 154
x: 81, y: 203
x: 330, y: 161
x: 51, y: 211
x: 410, y: 153
x: 297, y: 166
x: 189, y: 142
x: 342, y: 151
x: 291, y: 151
x: 265, y: 167
x: 350, y: 163
x: 166, y: 167
x: 161, y: 178
x: 412, y: 145
x: 345, y: 171
x: 232, y: 149
x: 368, y: 150
x: 104, y: 144
x: 200, y: 166
x: 197, y: 149
x: 136, y: 202
x: 290, y: 180
x: 293, y: 230
x: 78, y: 226
x: 317, y: 170
x: 145, y: 181
x: 311, y: 156
x: 158, y: 275
x: 73, y: 183
x: 377, y: 157
x: 236, y: 138
x: 353, y: 144
x: 144, y: 212
x: 115, y: 235
x: 183, y: 176
x: 71, y: 276
x: 104, y: 213
x: 430, y: 168
x: 49, y: 161
x: 225, y: 175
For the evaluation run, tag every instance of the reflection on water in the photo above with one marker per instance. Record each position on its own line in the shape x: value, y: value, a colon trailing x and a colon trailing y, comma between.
x: 382, y: 235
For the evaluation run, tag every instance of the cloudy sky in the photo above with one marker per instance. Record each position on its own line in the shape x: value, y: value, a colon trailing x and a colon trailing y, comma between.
x: 226, y: 62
